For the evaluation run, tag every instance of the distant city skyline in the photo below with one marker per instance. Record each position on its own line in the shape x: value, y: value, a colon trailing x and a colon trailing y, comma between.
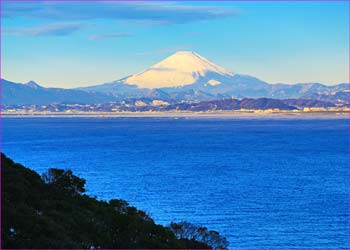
x: 73, y: 44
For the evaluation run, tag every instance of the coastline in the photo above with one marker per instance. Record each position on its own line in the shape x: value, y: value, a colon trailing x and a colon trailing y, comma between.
x: 184, y: 114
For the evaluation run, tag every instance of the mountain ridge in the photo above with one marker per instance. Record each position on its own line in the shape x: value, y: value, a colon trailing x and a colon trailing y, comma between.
x: 33, y: 93
x: 182, y: 77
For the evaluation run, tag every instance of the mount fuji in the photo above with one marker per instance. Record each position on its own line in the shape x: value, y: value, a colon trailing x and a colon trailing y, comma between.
x: 183, y: 76
x: 180, y: 69
x: 187, y: 76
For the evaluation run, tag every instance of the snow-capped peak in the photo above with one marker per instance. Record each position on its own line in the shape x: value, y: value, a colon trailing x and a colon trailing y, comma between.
x: 179, y: 69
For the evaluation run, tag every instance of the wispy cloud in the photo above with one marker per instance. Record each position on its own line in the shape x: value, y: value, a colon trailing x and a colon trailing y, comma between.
x: 109, y: 36
x: 156, y: 12
x: 56, y: 29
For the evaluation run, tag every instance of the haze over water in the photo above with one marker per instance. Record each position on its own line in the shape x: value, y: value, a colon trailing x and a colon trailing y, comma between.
x: 261, y: 183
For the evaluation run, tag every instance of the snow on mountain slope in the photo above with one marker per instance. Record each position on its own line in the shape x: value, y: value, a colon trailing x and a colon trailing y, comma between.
x: 180, y: 69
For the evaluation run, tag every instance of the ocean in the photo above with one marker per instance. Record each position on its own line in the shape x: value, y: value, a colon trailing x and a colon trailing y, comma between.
x: 262, y: 183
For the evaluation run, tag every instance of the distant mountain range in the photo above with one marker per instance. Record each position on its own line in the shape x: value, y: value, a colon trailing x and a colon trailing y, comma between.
x: 246, y: 103
x: 32, y: 93
x: 182, y: 77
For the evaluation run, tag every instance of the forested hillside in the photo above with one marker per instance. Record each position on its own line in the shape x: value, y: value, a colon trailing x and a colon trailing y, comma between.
x: 52, y: 211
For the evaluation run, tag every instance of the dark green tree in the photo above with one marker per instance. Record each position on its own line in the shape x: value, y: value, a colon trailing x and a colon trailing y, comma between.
x: 64, y: 180
x: 187, y: 230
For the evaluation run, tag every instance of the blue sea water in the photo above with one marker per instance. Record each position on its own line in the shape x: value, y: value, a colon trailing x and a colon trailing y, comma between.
x: 262, y: 183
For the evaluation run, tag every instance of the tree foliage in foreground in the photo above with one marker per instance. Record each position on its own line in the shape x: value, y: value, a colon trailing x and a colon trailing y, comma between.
x: 54, y: 212
x: 187, y: 230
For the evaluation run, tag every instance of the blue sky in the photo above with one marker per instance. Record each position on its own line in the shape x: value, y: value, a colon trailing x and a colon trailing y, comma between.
x: 71, y: 44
